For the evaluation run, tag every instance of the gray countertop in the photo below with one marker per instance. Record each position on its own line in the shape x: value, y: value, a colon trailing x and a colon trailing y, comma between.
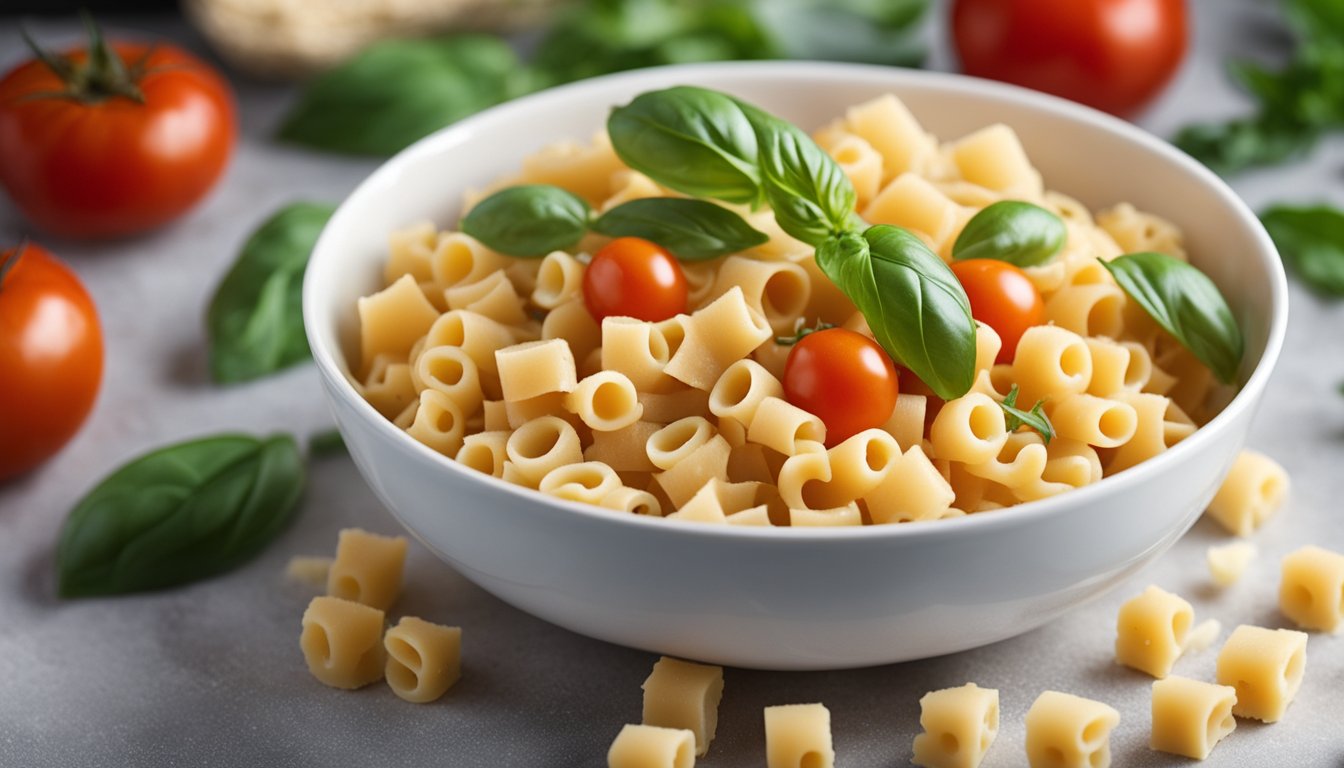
x: 211, y: 674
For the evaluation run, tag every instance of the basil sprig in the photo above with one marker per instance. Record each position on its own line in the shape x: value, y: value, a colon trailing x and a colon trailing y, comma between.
x: 1019, y: 233
x: 1311, y: 243
x: 1186, y: 303
x: 1035, y: 418
x: 913, y: 303
x: 179, y: 514
x: 255, y: 319
x: 532, y: 220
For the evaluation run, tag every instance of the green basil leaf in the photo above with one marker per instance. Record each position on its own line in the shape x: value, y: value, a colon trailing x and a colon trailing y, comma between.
x: 398, y: 91
x: 1019, y: 233
x: 869, y: 31
x: 529, y: 220
x: 693, y: 230
x: 1311, y: 242
x: 255, y: 319
x: 179, y: 514
x: 1186, y: 303
x: 328, y: 443
x: 913, y: 303
x: 1035, y: 418
x: 1240, y: 144
x: 811, y: 196
x: 693, y: 140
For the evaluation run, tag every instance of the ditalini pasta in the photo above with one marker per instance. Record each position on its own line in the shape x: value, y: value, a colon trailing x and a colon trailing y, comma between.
x: 342, y: 641
x: 423, y: 659
x: 1191, y: 716
x: 679, y: 694
x: 1151, y: 630
x: 1311, y: 592
x: 959, y: 726
x: 1227, y: 562
x: 1265, y: 667
x: 651, y: 746
x: 1067, y: 731
x: 367, y: 568
x: 499, y: 362
x: 798, y: 736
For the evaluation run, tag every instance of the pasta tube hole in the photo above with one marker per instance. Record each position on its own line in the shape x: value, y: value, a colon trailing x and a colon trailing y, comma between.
x: 813, y: 431
x: 478, y: 457
x: 672, y: 333
x: 445, y: 369
x: 1292, y: 673
x: 1220, y: 722
x: 443, y: 420
x: 1054, y: 756
x: 811, y: 760
x: 1118, y: 424
x: 347, y: 588
x: 1097, y: 758
x: 452, y: 261
x: 677, y: 435
x: 1074, y: 361
x: 786, y: 294
x: 878, y: 455
x: 950, y: 743
x: 986, y: 421
x: 731, y: 389
x: 318, y: 643
x: 536, y: 439
x: 611, y: 400
x: 405, y: 653
x: 1180, y: 625
x: 1094, y: 731
x: 447, y: 331
x: 684, y: 758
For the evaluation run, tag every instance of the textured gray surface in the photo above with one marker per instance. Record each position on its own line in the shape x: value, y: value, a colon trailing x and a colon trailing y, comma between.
x: 211, y: 675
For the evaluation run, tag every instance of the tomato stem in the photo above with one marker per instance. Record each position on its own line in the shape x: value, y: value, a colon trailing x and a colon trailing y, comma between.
x: 10, y: 260
x: 101, y: 76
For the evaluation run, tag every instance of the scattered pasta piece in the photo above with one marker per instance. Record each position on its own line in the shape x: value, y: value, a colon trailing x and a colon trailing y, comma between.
x: 342, y: 642
x: 1265, y: 666
x: 367, y: 568
x: 649, y: 746
x: 959, y: 726
x: 1254, y: 490
x: 1228, y: 562
x: 1311, y: 592
x: 679, y: 694
x: 798, y: 736
x: 1067, y: 731
x: 1202, y: 637
x: 423, y: 659
x: 309, y: 571
x: 1191, y: 716
x: 1151, y: 630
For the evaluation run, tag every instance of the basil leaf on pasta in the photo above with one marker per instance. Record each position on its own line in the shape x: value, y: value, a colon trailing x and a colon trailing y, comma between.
x: 1311, y: 242
x: 1186, y: 303
x: 913, y: 303
x: 1019, y: 233
x: 528, y: 221
x: 255, y: 319
x: 692, y: 230
x: 178, y: 514
x: 694, y: 140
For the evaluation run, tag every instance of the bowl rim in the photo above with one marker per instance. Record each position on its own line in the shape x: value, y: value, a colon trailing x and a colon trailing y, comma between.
x: 806, y: 73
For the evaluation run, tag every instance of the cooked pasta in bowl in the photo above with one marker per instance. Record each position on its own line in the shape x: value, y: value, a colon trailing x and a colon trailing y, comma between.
x: 755, y: 363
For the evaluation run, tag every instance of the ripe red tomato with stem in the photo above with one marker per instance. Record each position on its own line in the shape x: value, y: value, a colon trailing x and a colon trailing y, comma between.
x: 632, y: 277
x: 843, y: 378
x: 1115, y: 55
x: 112, y: 139
x: 1002, y: 297
x: 51, y: 357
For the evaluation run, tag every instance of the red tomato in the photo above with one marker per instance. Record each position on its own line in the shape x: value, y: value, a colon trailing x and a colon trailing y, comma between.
x: 843, y: 378
x: 114, y: 149
x: 630, y: 277
x: 1115, y: 55
x: 51, y: 356
x: 1002, y: 297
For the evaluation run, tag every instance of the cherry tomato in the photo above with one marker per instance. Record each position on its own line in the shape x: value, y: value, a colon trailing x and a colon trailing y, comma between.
x: 843, y: 378
x: 631, y: 277
x: 1002, y: 297
x: 51, y: 357
x: 112, y: 140
x: 1115, y: 55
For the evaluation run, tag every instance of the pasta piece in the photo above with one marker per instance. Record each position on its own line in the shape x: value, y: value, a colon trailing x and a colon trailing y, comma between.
x: 1191, y: 716
x: 341, y: 642
x: 1151, y: 630
x: 1155, y: 433
x: 708, y: 462
x: 408, y: 252
x: 703, y: 507
x: 846, y: 515
x: 519, y: 412
x: 1095, y: 309
x: 1069, y: 464
x: 648, y: 746
x: 458, y: 259
x: 479, y: 337
x: 629, y: 185
x: 606, y: 401
x: 971, y: 429
x: 798, y: 736
x: 858, y: 464
x: 388, y: 386
x: 778, y: 290
x: 914, y: 203
x: 1135, y: 231
x: 423, y: 659
x: 309, y: 571
x: 667, y: 407
x: 756, y: 516
x: 627, y: 499
x: 959, y: 726
x: 540, y: 446
x: 485, y: 452
x: 800, y: 476
x: 586, y: 481
x: 438, y: 422
x: 669, y: 445
x: 993, y: 157
x: 1311, y: 591
x: 1117, y: 367
x: 907, y: 420
x: 1020, y: 463
x: 367, y: 568
x: 1228, y: 562
x: 624, y: 450
x: 570, y: 321
x: 747, y: 462
x: 718, y: 335
x: 536, y: 368
x: 679, y: 694
x: 780, y: 425
x: 912, y: 490
x: 1051, y: 362
x: 559, y: 280
x: 1265, y: 666
x: 493, y: 296
x: 1067, y: 731
x: 635, y: 348
x: 1202, y: 637
x: 1255, y: 488
x: 860, y: 162
x: 1094, y: 420
x: 391, y: 320
x: 889, y: 127
x: 451, y: 370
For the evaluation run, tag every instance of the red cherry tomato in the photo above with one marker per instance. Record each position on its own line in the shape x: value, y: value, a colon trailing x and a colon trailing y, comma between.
x: 1002, y: 297
x: 1115, y: 55
x: 124, y: 139
x: 631, y: 277
x: 843, y: 378
x: 51, y: 357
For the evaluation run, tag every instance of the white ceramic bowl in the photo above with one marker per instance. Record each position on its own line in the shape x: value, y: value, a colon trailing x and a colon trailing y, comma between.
x: 783, y: 598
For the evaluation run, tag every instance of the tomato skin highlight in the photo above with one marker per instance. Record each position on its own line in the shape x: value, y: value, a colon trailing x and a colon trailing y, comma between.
x: 1002, y: 297
x: 115, y: 167
x: 843, y: 378
x: 51, y: 359
x: 632, y: 277
x: 1115, y: 55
